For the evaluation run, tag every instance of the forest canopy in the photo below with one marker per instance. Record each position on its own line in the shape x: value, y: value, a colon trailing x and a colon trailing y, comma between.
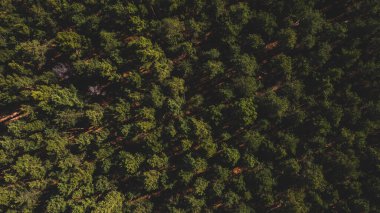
x: 189, y: 106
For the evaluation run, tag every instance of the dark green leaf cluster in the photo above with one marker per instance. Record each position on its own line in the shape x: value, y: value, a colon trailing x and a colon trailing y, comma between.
x: 189, y: 106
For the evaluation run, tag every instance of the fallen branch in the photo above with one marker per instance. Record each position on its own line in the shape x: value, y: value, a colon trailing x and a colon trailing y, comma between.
x: 88, y: 130
x: 273, y: 88
x: 145, y: 197
x: 17, y: 118
x: 271, y: 45
x: 4, y: 118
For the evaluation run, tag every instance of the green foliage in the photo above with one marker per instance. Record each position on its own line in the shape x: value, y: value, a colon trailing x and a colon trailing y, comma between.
x: 56, y: 204
x: 288, y: 38
x: 151, y: 179
x: 32, y: 52
x: 255, y: 42
x: 111, y: 45
x: 283, y: 64
x: 189, y: 106
x: 213, y: 68
x: 265, y: 22
x: 274, y: 106
x: 94, y: 114
x: 96, y: 68
x: 246, y: 65
x: 50, y: 97
x: 70, y: 43
x: 112, y: 202
x: 231, y: 156
x: 28, y: 166
x: 150, y: 57
x: 246, y: 111
x: 158, y: 161
x: 172, y: 29
x: 200, y: 186
x: 197, y: 165
x: 130, y: 162
x: 245, y: 86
